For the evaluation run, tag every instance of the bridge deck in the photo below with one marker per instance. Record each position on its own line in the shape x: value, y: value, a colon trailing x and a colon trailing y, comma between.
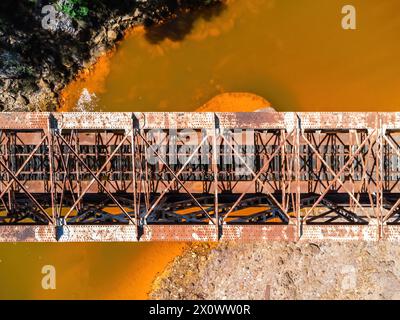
x: 199, y: 176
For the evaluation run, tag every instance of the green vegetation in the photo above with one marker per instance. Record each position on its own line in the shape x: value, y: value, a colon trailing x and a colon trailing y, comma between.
x: 77, y: 9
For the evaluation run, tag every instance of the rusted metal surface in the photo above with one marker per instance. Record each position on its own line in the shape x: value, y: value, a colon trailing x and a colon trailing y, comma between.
x: 27, y: 233
x: 340, y: 233
x: 190, y: 176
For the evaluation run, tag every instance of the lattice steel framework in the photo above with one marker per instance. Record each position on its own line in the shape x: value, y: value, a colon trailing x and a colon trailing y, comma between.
x: 212, y: 176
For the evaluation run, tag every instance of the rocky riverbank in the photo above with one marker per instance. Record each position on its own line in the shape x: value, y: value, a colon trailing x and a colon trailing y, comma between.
x: 43, y: 44
x: 279, y: 270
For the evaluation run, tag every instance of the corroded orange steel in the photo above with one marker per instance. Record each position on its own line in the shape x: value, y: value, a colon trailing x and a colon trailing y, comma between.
x: 249, y: 176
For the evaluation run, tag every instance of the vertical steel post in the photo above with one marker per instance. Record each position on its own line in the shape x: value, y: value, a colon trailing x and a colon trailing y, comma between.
x: 50, y: 155
x: 380, y: 175
x: 282, y: 144
x: 135, y: 208
x: 77, y: 167
x: 297, y: 175
x: 215, y: 133
x: 10, y: 192
x: 352, y: 172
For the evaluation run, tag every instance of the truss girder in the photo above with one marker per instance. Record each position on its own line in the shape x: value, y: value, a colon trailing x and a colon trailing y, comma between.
x: 211, y: 169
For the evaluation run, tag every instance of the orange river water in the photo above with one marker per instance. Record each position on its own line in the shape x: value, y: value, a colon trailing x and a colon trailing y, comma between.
x: 292, y: 52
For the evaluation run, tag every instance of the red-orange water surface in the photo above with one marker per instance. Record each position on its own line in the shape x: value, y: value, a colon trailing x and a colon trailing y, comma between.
x: 83, y: 270
x: 294, y: 53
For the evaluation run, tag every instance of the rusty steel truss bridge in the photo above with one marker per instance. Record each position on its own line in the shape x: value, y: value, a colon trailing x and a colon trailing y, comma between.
x: 199, y: 176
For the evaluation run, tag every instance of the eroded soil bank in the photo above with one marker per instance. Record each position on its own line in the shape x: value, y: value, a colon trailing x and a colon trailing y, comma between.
x: 279, y: 270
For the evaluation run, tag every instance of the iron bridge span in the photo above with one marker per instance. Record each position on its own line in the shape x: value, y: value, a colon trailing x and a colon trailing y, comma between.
x: 199, y: 176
